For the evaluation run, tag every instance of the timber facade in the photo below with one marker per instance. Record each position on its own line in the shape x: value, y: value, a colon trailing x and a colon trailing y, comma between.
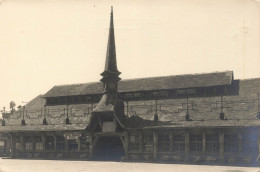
x: 198, y: 118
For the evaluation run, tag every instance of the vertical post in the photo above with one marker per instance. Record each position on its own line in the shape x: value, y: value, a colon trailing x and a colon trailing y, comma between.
x: 13, y: 148
x: 79, y: 143
x: 67, y: 111
x: 55, y: 142
x: 155, y: 144
x: 239, y: 142
x: 187, y: 144
x: 141, y: 142
x: 155, y: 106
x: 66, y: 147
x: 67, y: 119
x: 221, y: 145
x: 171, y: 141
x: 127, y: 108
x: 43, y: 142
x: 33, y: 143
x: 22, y: 143
x: 203, y: 142
x: 91, y: 146
x: 126, y: 145
x: 222, y: 115
x: 187, y: 110
x: 221, y: 104
x: 44, y: 145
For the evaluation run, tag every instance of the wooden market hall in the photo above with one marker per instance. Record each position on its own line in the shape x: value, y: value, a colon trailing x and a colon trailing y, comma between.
x: 208, y: 118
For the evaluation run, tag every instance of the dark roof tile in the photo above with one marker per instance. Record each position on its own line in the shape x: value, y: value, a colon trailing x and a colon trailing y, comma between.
x: 146, y: 84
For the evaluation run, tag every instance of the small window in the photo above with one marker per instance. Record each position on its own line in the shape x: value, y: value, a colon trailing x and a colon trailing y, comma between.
x: 28, y: 143
x: 195, y: 143
x: 134, y: 143
x: 60, y: 143
x: 49, y: 143
x: 163, y: 142
x: 231, y: 143
x: 38, y: 143
x: 148, y: 143
x: 18, y: 145
x: 178, y: 143
x: 73, y: 145
x: 212, y: 143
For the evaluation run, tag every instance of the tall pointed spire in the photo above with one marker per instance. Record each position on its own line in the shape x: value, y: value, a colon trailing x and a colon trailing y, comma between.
x: 110, y: 75
x: 111, y: 64
x: 110, y: 107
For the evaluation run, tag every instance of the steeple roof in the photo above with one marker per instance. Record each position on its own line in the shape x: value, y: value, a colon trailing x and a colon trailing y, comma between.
x: 111, y: 65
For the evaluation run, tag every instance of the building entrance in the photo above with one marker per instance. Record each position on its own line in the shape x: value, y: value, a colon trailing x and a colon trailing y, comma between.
x: 108, y: 148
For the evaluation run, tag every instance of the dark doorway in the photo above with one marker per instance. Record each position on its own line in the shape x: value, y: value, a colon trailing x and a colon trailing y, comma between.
x: 108, y: 149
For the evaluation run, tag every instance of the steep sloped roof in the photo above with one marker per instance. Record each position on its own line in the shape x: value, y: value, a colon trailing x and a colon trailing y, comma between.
x: 146, y: 84
x: 240, y: 111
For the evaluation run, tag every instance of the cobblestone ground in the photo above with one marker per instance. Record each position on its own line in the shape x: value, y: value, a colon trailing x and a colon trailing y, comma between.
x: 19, y: 165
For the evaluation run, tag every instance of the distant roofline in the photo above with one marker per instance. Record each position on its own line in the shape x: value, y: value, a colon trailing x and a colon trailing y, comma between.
x: 129, y: 79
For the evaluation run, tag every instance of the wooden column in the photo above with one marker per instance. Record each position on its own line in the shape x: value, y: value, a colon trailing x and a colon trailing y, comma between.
x: 155, y: 144
x: 239, y: 142
x: 126, y: 145
x: 44, y: 144
x: 79, y: 143
x: 55, y: 142
x: 22, y: 143
x: 141, y: 142
x: 91, y: 146
x: 221, y: 145
x: 13, y: 148
x: 66, y: 147
x: 203, y: 142
x: 33, y: 143
x: 187, y: 144
x: 171, y: 140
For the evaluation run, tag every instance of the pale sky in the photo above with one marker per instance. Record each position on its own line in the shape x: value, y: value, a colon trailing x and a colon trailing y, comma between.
x: 45, y: 42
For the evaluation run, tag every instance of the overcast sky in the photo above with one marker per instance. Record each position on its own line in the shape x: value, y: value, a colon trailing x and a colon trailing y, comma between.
x: 47, y: 43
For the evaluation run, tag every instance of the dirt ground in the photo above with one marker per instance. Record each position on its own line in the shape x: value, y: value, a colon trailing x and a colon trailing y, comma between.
x: 20, y: 165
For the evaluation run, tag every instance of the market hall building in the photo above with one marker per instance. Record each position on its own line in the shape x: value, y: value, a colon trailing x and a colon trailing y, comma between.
x: 206, y: 118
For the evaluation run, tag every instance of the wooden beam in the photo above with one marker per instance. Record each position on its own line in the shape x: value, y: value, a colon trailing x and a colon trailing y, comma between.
x: 122, y: 139
x: 79, y: 143
x: 44, y: 144
x: 141, y: 142
x: 126, y: 146
x: 171, y: 140
x: 13, y: 148
x: 91, y: 145
x: 239, y: 142
x: 187, y: 144
x: 221, y: 145
x: 155, y: 144
x: 33, y: 143
x: 203, y: 142
x: 55, y: 142
x: 67, y: 146
x: 22, y: 143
